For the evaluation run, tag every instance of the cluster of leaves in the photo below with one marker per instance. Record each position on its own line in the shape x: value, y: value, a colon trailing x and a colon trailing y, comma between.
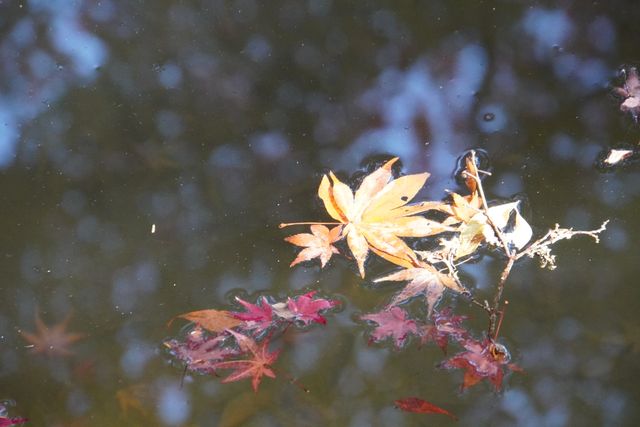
x: 240, y: 341
x: 480, y: 359
x: 377, y: 217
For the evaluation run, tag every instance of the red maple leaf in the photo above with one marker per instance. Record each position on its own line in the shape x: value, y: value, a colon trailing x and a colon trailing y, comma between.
x: 444, y: 326
x: 420, y: 406
x: 305, y: 309
x: 258, y: 316
x: 392, y: 323
x: 200, y: 350
x: 255, y: 367
x: 6, y: 422
x: 482, y: 360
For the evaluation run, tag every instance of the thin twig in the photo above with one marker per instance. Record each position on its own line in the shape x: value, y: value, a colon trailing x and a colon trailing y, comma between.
x: 289, y: 224
x: 557, y: 234
x: 496, y: 229
x: 493, y: 310
x: 498, y: 295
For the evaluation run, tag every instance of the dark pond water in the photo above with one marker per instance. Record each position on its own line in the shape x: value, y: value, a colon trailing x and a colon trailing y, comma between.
x: 211, y: 121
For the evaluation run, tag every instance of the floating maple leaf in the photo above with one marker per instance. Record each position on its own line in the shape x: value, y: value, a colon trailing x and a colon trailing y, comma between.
x: 211, y: 320
x: 482, y: 360
x: 615, y: 156
x: 420, y: 406
x: 445, y: 325
x: 630, y: 91
x: 258, y: 316
x: 477, y: 229
x: 422, y: 280
x: 392, y: 323
x: 52, y: 340
x: 375, y: 217
x: 318, y: 244
x: 305, y: 308
x: 257, y: 366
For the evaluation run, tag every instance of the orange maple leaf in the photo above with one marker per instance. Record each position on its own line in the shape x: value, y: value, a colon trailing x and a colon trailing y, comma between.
x: 318, y: 244
x: 211, y: 320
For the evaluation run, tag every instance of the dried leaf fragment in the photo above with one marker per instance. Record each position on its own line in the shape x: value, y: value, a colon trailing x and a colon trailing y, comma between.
x: 616, y: 156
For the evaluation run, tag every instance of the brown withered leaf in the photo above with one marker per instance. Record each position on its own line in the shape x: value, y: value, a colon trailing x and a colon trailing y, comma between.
x: 462, y: 208
x: 211, y: 320
x: 377, y: 215
x: 472, y: 170
x: 423, y: 280
x: 317, y: 244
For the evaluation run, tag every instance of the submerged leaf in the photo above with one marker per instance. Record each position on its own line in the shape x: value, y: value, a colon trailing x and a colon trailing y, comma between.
x: 420, y: 406
x: 392, y: 323
x: 200, y: 350
x: 422, y: 280
x: 482, y: 360
x: 256, y: 366
x: 52, y: 340
x: 445, y: 325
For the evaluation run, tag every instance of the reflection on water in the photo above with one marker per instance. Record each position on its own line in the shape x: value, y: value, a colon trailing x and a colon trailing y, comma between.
x: 212, y: 120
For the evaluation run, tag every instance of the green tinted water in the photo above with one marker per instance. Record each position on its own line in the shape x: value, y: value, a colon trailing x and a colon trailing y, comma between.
x: 214, y: 120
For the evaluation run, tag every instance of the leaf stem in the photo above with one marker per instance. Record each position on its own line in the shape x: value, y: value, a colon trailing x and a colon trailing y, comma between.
x: 288, y: 224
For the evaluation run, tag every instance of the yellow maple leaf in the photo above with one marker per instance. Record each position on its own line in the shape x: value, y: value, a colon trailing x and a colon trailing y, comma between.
x: 377, y: 215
